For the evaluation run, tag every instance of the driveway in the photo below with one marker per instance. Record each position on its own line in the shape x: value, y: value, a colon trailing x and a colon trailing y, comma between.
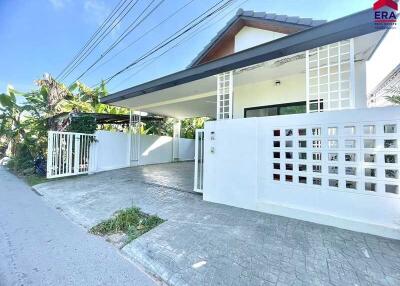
x: 203, y: 243
x: 38, y: 246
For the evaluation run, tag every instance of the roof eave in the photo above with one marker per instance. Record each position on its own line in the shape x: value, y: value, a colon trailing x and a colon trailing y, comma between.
x: 343, y: 28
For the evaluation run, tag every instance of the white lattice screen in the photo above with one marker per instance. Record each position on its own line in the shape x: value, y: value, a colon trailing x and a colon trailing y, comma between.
x: 224, y: 95
x: 330, y: 77
x: 356, y: 157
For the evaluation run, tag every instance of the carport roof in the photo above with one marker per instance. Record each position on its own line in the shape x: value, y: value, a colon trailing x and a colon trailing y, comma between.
x: 350, y: 26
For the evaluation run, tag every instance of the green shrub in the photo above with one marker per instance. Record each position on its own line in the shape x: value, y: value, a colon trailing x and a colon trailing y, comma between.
x: 82, y: 124
x: 22, y: 162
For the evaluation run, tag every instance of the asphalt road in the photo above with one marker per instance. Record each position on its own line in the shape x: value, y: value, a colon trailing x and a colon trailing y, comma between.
x: 38, y: 246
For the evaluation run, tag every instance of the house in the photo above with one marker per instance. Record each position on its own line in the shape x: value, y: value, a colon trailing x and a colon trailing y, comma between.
x: 293, y: 135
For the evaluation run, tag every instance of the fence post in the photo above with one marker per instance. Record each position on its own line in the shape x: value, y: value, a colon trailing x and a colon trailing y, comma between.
x: 77, y: 153
x: 49, y: 154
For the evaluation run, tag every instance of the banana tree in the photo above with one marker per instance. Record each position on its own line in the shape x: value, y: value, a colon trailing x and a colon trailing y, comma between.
x: 11, y: 118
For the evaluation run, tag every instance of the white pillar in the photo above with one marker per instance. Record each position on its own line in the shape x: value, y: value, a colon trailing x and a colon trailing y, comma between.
x: 175, y: 140
x: 134, y: 138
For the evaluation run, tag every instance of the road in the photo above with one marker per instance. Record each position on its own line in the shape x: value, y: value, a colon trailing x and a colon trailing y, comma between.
x: 38, y: 246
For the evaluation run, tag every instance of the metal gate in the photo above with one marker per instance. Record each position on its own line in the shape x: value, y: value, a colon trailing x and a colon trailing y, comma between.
x: 199, y: 161
x: 68, y: 153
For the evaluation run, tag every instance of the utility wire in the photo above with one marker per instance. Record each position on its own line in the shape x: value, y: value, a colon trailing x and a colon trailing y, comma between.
x: 116, y: 8
x: 105, y: 33
x: 173, y: 37
x: 127, y: 31
x: 142, y: 35
x: 184, y: 40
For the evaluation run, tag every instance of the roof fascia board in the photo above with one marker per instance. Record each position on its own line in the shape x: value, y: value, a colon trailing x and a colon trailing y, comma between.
x: 343, y: 28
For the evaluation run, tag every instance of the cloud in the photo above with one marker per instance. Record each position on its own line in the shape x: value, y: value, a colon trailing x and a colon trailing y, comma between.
x: 59, y: 4
x: 97, y: 10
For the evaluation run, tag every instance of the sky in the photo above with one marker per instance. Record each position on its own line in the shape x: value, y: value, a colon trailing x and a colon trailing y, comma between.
x: 43, y: 36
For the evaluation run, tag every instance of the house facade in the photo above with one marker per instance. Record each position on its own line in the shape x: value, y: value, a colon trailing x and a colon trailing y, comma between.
x: 293, y: 134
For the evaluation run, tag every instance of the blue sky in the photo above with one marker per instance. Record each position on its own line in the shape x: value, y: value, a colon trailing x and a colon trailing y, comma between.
x: 39, y: 36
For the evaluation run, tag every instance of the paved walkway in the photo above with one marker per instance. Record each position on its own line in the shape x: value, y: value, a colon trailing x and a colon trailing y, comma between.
x: 210, y: 244
x: 40, y: 247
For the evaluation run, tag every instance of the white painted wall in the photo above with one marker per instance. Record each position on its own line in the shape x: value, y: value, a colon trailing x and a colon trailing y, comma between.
x: 155, y: 149
x: 239, y: 172
x: 249, y: 37
x: 186, y: 149
x: 292, y: 89
x: 111, y: 151
x: 384, y: 60
x: 112, y: 148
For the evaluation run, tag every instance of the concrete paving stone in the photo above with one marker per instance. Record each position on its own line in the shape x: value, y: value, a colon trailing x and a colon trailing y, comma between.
x: 203, y: 243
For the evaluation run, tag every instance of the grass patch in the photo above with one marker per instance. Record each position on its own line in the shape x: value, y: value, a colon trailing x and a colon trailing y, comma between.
x: 35, y: 179
x: 130, y: 221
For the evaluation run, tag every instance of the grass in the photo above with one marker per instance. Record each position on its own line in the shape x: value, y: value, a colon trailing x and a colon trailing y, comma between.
x: 35, y: 179
x: 130, y: 221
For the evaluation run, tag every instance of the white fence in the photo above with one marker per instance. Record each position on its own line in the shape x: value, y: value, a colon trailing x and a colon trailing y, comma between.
x: 337, y: 168
x: 68, y: 153
x: 112, y: 150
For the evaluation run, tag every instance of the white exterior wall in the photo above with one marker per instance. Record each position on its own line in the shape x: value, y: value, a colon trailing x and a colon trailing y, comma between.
x: 186, y: 149
x: 384, y: 60
x: 249, y: 37
x: 360, y: 85
x: 111, y: 151
x: 155, y: 149
x: 292, y: 89
x: 240, y: 170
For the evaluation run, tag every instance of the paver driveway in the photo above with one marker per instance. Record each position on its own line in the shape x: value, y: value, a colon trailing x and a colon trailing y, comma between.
x: 210, y: 244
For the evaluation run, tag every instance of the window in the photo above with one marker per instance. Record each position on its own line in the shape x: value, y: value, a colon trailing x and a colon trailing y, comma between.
x: 279, y: 109
x: 302, y: 144
x: 390, y: 128
x: 333, y: 169
x: 371, y: 187
x: 302, y: 132
x: 369, y: 129
x: 302, y: 156
x: 317, y: 168
x: 302, y: 180
x: 302, y: 168
x: 350, y: 157
x: 350, y: 171
x: 317, y: 181
x: 351, y: 185
x: 332, y: 131
x: 333, y: 156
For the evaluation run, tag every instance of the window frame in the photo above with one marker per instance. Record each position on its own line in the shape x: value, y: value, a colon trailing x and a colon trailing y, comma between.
x: 278, y: 106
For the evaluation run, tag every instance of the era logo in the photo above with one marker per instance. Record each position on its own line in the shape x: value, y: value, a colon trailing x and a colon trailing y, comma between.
x: 385, y: 14
x: 385, y: 3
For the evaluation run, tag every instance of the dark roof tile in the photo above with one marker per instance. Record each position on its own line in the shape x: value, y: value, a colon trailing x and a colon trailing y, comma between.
x: 259, y: 15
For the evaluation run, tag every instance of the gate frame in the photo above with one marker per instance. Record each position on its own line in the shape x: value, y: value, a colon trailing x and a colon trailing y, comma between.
x: 198, y: 138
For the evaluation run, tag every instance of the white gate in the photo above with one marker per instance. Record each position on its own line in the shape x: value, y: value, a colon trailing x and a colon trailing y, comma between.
x: 199, y: 161
x: 68, y: 153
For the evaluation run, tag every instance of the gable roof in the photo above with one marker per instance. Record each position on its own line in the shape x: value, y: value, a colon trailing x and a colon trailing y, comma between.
x: 289, y: 24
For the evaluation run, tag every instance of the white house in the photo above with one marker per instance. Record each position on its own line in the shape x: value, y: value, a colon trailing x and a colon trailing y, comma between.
x: 293, y: 135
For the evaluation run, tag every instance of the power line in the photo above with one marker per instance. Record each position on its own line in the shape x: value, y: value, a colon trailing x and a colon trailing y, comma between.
x: 127, y: 31
x: 194, y: 33
x: 105, y: 33
x: 143, y: 35
x: 112, y: 13
x: 173, y: 37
